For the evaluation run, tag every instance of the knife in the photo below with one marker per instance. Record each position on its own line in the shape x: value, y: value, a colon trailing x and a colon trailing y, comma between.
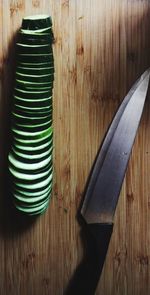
x: 104, y: 187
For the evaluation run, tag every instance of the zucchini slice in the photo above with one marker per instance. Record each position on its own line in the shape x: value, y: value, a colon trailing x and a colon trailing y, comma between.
x: 30, y: 114
x: 34, y: 135
x: 32, y: 194
x: 19, y: 175
x: 24, y: 84
x: 35, y: 71
x: 33, y: 103
x: 35, y: 100
x: 36, y: 186
x: 25, y: 166
x: 37, y: 32
x: 30, y: 199
x: 36, y: 65
x: 34, y: 22
x: 28, y: 39
x: 35, y: 78
x: 30, y: 120
x: 34, y: 151
x: 31, y: 210
x: 31, y: 128
x: 34, y: 94
x: 33, y: 49
x: 32, y: 142
x: 35, y: 58
x: 33, y: 204
x: 32, y: 157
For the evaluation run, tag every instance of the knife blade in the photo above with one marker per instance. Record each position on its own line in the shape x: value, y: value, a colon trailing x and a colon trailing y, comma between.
x: 99, y: 205
x: 102, y: 152
x: 104, y: 186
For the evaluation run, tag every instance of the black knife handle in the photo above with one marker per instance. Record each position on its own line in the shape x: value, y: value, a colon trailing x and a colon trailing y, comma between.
x: 87, y: 275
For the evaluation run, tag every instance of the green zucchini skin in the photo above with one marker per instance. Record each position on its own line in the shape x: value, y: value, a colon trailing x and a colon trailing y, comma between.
x: 31, y: 129
x: 34, y: 49
x: 36, y: 58
x: 35, y: 78
x: 40, y: 22
x: 34, y: 120
x: 35, y: 71
x: 30, y: 159
x: 32, y: 103
x: 27, y: 85
x: 33, y: 94
x: 41, y: 149
x: 35, y: 39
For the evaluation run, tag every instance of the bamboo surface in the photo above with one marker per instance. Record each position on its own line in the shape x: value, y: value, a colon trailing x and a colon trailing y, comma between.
x: 100, y: 48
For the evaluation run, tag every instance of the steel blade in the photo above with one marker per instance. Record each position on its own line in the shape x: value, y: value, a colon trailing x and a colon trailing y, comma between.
x: 101, y: 155
x: 104, y: 186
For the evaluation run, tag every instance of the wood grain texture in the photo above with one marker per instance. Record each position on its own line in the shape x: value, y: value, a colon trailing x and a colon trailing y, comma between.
x: 100, y: 48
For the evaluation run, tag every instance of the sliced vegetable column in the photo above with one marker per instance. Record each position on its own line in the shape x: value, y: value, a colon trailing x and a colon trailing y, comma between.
x: 30, y: 156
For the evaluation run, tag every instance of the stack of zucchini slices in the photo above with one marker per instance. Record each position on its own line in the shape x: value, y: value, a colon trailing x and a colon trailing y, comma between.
x: 30, y: 156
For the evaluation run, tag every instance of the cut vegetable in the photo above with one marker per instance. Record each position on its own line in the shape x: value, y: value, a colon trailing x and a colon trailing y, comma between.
x: 35, y: 22
x: 30, y: 159
x: 35, y: 78
x: 35, y: 71
x: 34, y: 49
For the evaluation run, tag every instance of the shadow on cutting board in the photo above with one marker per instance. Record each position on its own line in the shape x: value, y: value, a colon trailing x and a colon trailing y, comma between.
x: 11, y: 220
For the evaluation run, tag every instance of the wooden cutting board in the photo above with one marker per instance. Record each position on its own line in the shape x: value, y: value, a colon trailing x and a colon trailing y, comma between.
x: 100, y: 48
